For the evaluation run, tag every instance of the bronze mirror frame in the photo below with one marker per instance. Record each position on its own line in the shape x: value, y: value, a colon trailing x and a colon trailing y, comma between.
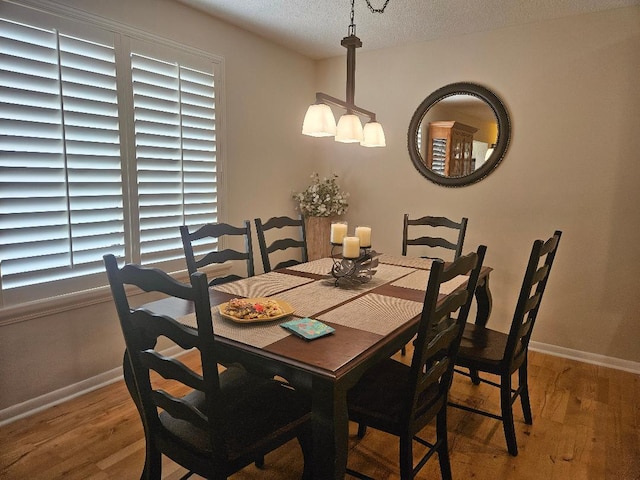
x: 502, y: 142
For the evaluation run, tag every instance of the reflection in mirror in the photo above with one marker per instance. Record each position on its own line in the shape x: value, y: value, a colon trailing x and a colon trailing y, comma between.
x: 458, y: 134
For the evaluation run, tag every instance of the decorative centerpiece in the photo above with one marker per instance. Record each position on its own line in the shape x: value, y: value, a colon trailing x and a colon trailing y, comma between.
x: 357, y: 263
x: 321, y: 201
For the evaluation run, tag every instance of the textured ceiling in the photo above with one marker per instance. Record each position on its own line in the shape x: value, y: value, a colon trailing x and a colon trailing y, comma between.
x: 315, y: 27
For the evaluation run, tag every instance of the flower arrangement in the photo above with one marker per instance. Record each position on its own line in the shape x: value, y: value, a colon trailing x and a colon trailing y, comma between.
x: 323, y: 198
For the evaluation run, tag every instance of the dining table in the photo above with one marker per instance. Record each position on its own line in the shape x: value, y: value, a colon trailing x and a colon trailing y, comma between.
x: 372, y: 321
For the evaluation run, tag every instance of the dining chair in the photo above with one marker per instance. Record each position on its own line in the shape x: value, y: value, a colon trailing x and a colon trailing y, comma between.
x: 400, y: 399
x: 502, y: 354
x: 213, y: 424
x: 443, y: 233
x: 285, y: 242
x: 201, y: 248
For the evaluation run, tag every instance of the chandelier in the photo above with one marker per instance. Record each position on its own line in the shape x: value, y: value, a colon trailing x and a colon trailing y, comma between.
x: 319, y: 120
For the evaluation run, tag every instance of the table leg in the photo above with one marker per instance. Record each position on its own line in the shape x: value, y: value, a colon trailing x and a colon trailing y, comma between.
x: 330, y: 430
x: 483, y: 297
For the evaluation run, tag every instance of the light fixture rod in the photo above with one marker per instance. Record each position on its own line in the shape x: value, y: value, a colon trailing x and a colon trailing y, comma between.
x: 324, y: 98
x: 351, y: 43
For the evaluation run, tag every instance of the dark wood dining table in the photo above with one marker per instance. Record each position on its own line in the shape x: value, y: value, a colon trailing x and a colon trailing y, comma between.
x: 372, y: 321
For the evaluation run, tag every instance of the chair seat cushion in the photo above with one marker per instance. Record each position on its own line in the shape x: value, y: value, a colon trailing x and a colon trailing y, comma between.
x: 481, y: 345
x: 254, y: 410
x: 381, y: 396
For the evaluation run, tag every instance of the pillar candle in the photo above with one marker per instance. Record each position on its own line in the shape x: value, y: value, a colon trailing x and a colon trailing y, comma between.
x: 351, y: 247
x: 364, y: 234
x: 338, y: 231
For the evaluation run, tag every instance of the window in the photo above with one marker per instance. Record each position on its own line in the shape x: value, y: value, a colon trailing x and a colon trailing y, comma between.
x: 104, y: 148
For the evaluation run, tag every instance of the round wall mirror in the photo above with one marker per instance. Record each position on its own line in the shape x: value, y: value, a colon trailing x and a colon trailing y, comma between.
x: 459, y: 134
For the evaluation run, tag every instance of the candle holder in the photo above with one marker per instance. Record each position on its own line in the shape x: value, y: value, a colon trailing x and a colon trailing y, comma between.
x: 353, y: 271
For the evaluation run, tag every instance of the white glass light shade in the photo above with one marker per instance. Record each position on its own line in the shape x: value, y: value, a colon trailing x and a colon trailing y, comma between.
x: 349, y: 129
x: 373, y: 135
x: 319, y: 121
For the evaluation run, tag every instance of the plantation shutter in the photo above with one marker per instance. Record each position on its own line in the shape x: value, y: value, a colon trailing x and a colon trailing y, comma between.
x: 175, y: 145
x: 60, y: 170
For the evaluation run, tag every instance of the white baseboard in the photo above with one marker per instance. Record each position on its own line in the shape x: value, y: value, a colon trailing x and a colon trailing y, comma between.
x: 586, y: 357
x: 35, y: 405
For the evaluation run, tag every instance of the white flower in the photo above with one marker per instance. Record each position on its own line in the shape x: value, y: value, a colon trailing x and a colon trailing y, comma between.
x: 322, y: 198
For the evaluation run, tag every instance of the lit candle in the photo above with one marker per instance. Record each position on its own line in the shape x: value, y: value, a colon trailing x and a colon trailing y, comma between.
x: 364, y: 234
x: 338, y: 231
x: 351, y: 247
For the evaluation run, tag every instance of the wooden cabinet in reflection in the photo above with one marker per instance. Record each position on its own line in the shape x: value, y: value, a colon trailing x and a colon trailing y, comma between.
x: 450, y: 148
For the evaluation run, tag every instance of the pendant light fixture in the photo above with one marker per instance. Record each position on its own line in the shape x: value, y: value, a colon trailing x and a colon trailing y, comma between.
x: 319, y: 120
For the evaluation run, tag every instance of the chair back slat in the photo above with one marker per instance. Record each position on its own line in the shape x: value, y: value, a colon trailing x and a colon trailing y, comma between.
x: 197, y: 257
x: 171, y: 369
x: 152, y: 326
x: 285, y: 243
x: 439, y: 335
x: 180, y: 409
x: 437, y: 240
x: 530, y: 297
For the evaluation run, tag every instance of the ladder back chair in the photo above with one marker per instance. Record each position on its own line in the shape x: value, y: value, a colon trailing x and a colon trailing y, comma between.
x: 400, y: 399
x: 436, y: 242
x: 502, y: 354
x: 297, y: 245
x: 446, y: 234
x: 196, y: 255
x: 213, y: 424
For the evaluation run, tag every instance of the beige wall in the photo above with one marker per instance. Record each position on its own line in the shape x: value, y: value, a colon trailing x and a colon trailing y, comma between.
x: 571, y: 90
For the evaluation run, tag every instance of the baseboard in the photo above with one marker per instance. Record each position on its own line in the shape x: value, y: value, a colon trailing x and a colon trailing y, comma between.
x: 586, y: 357
x: 48, y: 400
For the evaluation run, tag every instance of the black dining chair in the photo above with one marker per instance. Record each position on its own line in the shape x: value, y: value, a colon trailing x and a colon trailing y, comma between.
x: 434, y: 235
x: 502, y: 354
x: 201, y: 248
x: 400, y: 399
x: 213, y: 424
x: 287, y: 228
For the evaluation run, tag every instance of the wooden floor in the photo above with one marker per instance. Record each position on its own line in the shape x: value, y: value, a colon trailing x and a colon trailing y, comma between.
x: 586, y: 425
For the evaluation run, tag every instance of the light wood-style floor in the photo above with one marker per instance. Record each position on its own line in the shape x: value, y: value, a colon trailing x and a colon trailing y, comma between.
x: 586, y: 425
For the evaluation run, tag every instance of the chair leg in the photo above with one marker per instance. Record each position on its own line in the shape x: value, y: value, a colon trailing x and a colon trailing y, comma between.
x: 475, y: 377
x: 305, y: 438
x: 403, y: 351
x: 406, y: 457
x: 260, y: 462
x: 362, y: 429
x: 523, y: 383
x: 507, y: 414
x: 443, y: 448
x: 152, y: 463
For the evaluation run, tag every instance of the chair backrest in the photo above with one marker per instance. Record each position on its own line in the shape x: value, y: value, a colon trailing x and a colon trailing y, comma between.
x: 142, y: 329
x: 272, y: 246
x: 212, y: 232
x: 439, y: 335
x: 453, y: 232
x: 534, y: 283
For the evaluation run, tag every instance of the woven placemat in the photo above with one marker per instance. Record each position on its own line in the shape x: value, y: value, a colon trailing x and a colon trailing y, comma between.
x: 312, y: 298
x: 262, y: 285
x: 413, y: 262
x: 418, y: 281
x: 255, y: 334
x: 384, y: 314
x: 321, y: 266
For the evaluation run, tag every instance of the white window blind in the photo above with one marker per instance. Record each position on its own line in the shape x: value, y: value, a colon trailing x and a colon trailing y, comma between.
x: 61, y: 206
x: 176, y: 151
x: 71, y: 187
